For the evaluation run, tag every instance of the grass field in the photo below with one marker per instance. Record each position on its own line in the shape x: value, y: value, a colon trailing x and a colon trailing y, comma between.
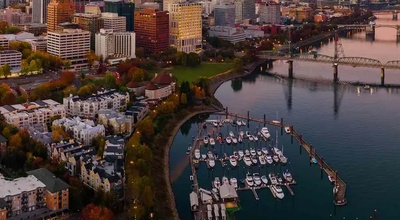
x: 183, y: 73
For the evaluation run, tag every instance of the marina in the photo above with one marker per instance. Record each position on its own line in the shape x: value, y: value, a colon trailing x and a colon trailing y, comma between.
x: 258, y: 153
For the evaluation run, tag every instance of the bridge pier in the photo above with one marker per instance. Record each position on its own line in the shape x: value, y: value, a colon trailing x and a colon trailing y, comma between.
x: 290, y: 70
x: 370, y: 30
x: 335, y: 73
x: 382, y: 76
x: 394, y: 18
x: 398, y: 33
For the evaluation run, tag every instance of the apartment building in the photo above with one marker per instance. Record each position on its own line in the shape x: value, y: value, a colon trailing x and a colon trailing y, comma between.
x: 10, y: 57
x: 88, y: 107
x: 40, y: 192
x: 113, y: 21
x: 83, y: 130
x: 161, y: 86
x: 38, y: 113
x: 89, y: 22
x: 138, y: 111
x: 4, y: 43
x: 115, y: 121
x: 270, y: 13
x: 70, y: 44
x: 224, y: 15
x: 109, y: 43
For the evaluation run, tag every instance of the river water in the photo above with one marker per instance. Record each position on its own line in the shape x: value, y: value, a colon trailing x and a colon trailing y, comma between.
x: 355, y: 129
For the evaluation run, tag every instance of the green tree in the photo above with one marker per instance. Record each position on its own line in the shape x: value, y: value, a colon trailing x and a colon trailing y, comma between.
x: 12, y: 30
x: 181, y: 58
x: 183, y: 99
x: 33, y: 66
x: 3, y: 27
x: 193, y: 59
x: 99, y: 142
x: 238, y: 65
x: 110, y: 82
x: 6, y: 70
x: 92, y: 57
x: 67, y: 64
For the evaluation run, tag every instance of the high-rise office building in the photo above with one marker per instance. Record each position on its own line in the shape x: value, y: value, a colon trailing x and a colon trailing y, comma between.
x: 109, y: 43
x: 249, y: 9
x: 114, y: 22
x: 126, y: 9
x: 186, y: 27
x: 89, y: 22
x: 70, y: 44
x: 270, y: 13
x: 152, y: 30
x: 238, y: 11
x: 224, y: 15
x: 59, y: 11
x: 39, y: 11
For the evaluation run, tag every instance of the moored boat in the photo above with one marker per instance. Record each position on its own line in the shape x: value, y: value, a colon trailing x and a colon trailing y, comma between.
x: 253, y: 152
x: 259, y: 152
x: 264, y: 179
x: 233, y: 161
x: 248, y: 135
x: 275, y: 158
x: 287, y: 176
x: 256, y: 179
x: 265, y: 133
x: 215, y: 124
x: 264, y: 150
x: 234, y: 140
x: 233, y: 182
x: 241, y: 153
x: 331, y: 179
x: 255, y: 138
x: 212, y: 141
x: 239, y: 122
x: 203, y: 156
x: 197, y: 154
x: 282, y: 158
x: 211, y: 163
x: 269, y: 160
x: 228, y: 140
x: 251, y: 138
x: 244, y: 123
x: 254, y: 160
x: 210, y: 155
x: 231, y: 134
x: 287, y: 130
x: 261, y: 158
x: 249, y: 179
x: 205, y: 140
x: 225, y: 180
x: 247, y: 160
x: 217, y: 182
x: 278, y: 191
x: 273, y: 179
x: 241, y: 134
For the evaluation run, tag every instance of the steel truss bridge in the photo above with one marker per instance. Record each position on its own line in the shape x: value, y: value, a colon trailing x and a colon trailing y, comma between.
x: 321, y: 58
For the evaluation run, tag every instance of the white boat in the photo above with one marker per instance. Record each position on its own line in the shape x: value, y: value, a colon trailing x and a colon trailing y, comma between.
x: 234, y: 140
x: 269, y: 159
x: 259, y: 152
x: 225, y: 180
x: 247, y: 152
x: 217, y: 182
x: 231, y: 134
x: 216, y: 211
x: 254, y: 160
x: 279, y: 179
x: 276, y: 150
x: 215, y: 123
x: 249, y: 180
x: 212, y: 141
x: 282, y: 158
x: 264, y: 179
x: 211, y: 163
x: 203, y: 156
x: 239, y: 122
x: 251, y: 138
x: 273, y: 179
x: 287, y: 130
x: 278, y: 191
x: 197, y: 154
x: 233, y: 161
x: 257, y: 179
x: 228, y: 140
x: 288, y: 176
x: 233, y: 182
x: 261, y: 158
x: 241, y: 134
x: 240, y: 139
x: 248, y: 135
x: 331, y: 179
x: 265, y: 133
x: 255, y: 138
x: 220, y: 123
x: 275, y: 158
x: 247, y: 160
x: 241, y: 154
x: 205, y: 140
x: 244, y: 123
x: 210, y: 155
x: 264, y: 150
x: 253, y: 152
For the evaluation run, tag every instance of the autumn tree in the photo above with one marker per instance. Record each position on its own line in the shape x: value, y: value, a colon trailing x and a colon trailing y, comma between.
x: 8, y: 98
x: 183, y: 99
x: 238, y: 65
x: 99, y: 143
x: 5, y: 70
x: 136, y: 74
x: 93, y: 212
x: 15, y: 141
x: 145, y: 127
x: 86, y: 90
x: 24, y: 47
x: 92, y: 57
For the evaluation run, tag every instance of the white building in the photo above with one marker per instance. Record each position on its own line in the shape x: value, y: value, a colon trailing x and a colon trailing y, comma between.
x: 161, y: 86
x: 23, y: 35
x: 10, y: 57
x: 38, y: 44
x: 70, y: 44
x: 4, y: 43
x: 114, y: 22
x: 119, y: 123
x: 84, y: 130
x: 108, y: 43
x: 231, y: 34
x: 206, y: 7
x: 37, y: 113
x: 186, y: 27
x: 89, y: 107
x: 270, y: 12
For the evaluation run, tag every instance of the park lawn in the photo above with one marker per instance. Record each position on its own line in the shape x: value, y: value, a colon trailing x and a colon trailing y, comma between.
x: 190, y: 74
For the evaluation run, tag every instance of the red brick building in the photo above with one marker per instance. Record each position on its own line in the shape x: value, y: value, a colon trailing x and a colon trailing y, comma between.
x: 152, y: 30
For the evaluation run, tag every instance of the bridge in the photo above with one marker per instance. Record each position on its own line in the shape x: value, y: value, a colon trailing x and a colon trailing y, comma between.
x: 338, y: 59
x: 369, y: 28
x: 393, y: 12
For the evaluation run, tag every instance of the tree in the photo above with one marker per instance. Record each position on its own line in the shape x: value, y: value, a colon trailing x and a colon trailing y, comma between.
x: 33, y: 66
x: 140, y: 52
x: 99, y: 142
x: 86, y: 90
x: 145, y: 127
x: 8, y: 98
x: 3, y: 27
x: 6, y: 70
x: 193, y: 59
x: 15, y: 141
x: 183, y: 99
x: 110, y: 82
x: 24, y: 47
x: 67, y: 64
x: 136, y: 74
x: 238, y: 65
x: 93, y: 212
x: 181, y: 58
x: 92, y: 57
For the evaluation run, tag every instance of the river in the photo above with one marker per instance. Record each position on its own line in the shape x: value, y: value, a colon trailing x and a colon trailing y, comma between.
x: 355, y: 129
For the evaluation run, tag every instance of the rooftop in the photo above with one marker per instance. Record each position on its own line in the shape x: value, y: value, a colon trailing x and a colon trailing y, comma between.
x: 162, y: 79
x: 19, y: 185
x: 52, y: 183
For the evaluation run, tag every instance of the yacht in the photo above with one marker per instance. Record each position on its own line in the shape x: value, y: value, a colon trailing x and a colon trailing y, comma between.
x: 273, y: 179
x: 282, y: 158
x: 234, y: 140
x: 269, y: 160
x: 197, y: 154
x: 211, y: 163
x: 249, y: 180
x: 259, y: 152
x: 278, y: 191
x: 288, y: 176
x: 220, y: 123
x: 276, y: 150
x: 255, y: 138
x: 247, y: 160
x: 228, y: 140
x: 261, y: 158
x: 215, y: 123
x: 253, y: 152
x: 212, y: 141
x: 257, y: 179
x: 241, y: 134
x: 205, y: 140
x: 265, y: 133
x: 248, y: 135
x: 251, y: 138
x: 210, y: 155
x: 287, y: 130
x: 209, y: 212
x: 247, y: 152
x: 231, y: 134
x: 225, y: 180
x: 241, y: 154
x: 264, y: 179
x: 233, y: 161
x: 264, y: 150
x: 279, y: 179
x: 275, y: 158
x: 240, y: 139
x: 239, y: 122
x: 254, y: 160
x: 244, y: 123
x: 217, y: 183
x: 203, y: 156
x: 233, y: 182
